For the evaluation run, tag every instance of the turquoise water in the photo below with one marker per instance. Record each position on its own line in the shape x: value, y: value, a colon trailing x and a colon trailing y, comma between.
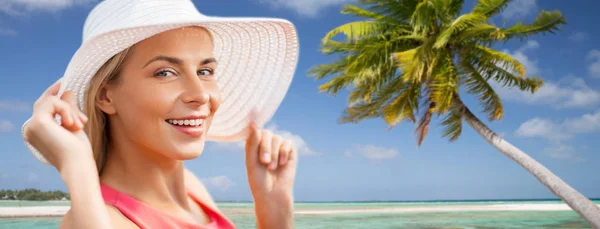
x: 455, y: 220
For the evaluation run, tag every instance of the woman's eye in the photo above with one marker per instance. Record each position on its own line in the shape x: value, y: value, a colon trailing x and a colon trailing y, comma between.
x: 205, y: 72
x: 164, y: 73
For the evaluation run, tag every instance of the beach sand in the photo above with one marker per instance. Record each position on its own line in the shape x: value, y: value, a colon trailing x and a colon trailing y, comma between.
x: 59, y: 211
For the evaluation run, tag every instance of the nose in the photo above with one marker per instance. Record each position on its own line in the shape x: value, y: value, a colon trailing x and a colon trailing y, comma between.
x: 194, y: 91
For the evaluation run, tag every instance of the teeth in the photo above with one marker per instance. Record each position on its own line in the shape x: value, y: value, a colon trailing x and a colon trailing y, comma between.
x: 188, y: 122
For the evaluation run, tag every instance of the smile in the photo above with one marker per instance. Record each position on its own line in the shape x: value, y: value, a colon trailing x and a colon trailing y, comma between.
x: 186, y: 122
x: 190, y: 127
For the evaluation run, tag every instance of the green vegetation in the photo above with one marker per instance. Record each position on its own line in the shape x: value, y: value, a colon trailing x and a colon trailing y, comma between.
x: 32, y: 194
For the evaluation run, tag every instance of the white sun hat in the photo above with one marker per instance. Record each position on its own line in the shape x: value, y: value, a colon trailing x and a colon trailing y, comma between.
x: 257, y: 57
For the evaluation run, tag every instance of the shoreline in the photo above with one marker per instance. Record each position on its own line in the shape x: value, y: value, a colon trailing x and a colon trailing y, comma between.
x: 60, y: 211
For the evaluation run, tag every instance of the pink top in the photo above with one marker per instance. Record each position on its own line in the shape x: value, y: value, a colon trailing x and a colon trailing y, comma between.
x: 146, y: 217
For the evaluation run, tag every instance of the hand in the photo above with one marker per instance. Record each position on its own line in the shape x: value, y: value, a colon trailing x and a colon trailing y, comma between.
x: 271, y: 166
x: 60, y: 144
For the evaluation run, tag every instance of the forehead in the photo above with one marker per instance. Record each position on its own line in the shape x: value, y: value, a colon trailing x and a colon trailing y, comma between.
x: 184, y: 40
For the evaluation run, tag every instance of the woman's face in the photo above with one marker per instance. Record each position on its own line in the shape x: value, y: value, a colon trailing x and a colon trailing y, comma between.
x: 167, y: 94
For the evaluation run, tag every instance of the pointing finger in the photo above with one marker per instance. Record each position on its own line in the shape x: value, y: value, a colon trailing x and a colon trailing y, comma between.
x: 252, y: 143
x: 265, y: 147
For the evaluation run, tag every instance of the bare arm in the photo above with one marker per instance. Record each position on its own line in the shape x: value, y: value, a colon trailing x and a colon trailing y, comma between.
x: 88, y: 209
x: 87, y: 206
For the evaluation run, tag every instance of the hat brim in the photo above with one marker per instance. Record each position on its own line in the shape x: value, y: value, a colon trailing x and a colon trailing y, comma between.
x: 256, y: 57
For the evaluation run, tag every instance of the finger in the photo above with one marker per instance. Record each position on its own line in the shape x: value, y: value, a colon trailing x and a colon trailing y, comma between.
x: 275, y: 146
x: 252, y: 143
x: 68, y: 98
x: 50, y: 91
x: 293, y: 156
x: 284, y: 153
x: 265, y: 147
x: 56, y: 106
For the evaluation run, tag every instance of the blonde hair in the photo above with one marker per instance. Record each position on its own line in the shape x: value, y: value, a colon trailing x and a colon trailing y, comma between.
x: 97, y: 125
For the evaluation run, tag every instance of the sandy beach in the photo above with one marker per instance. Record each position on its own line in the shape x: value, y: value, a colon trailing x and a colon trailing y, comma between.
x: 58, y: 211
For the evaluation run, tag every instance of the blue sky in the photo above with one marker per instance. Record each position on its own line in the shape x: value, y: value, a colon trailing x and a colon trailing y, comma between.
x: 557, y: 126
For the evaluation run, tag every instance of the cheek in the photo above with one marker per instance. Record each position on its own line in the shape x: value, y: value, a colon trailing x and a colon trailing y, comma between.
x: 215, y: 98
x: 144, y: 108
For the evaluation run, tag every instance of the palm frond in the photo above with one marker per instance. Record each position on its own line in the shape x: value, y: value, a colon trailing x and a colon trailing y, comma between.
x: 478, y: 33
x: 545, y: 22
x: 424, y: 17
x: 360, y: 12
x: 478, y: 85
x: 501, y: 59
x: 490, y: 8
x: 452, y: 124
x: 490, y: 70
x: 444, y: 83
x: 401, y: 10
x: 356, y: 30
x: 462, y: 23
x: 402, y: 107
x: 424, y: 121
x: 454, y: 7
x: 360, y: 108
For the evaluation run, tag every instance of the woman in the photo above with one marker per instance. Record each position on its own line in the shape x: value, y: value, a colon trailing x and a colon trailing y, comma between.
x: 155, y: 80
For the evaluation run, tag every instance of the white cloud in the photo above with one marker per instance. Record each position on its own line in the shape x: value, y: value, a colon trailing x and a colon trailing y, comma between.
x: 298, y: 142
x: 301, y: 145
x: 560, y: 131
x: 579, y: 36
x: 308, y: 8
x: 7, y: 32
x: 571, y: 92
x: 18, y: 7
x: 594, y: 68
x: 220, y: 182
x: 3, y: 176
x: 519, y: 8
x: 562, y: 151
x: 372, y: 152
x: 14, y: 106
x: 6, y: 126
x: 21, y: 8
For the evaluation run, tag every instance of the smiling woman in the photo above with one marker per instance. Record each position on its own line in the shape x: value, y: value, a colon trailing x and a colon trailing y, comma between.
x: 144, y: 93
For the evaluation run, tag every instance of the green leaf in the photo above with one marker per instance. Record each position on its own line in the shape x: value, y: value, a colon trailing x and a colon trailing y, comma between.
x: 462, y: 23
x: 360, y: 12
x: 452, y: 124
x: 424, y: 17
x: 545, y: 22
x: 490, y: 7
x: 491, y: 56
x: 356, y: 30
x: 478, y: 85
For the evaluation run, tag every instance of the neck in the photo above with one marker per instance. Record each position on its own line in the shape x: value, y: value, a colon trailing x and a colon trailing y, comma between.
x: 134, y: 170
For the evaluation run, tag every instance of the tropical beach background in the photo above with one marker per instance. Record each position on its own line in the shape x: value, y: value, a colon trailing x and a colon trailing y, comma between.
x: 366, y: 174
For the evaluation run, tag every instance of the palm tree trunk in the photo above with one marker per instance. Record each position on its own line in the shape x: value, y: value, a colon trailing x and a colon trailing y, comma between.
x: 581, y: 204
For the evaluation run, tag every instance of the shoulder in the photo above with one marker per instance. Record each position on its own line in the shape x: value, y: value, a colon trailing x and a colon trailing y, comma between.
x: 195, y: 185
x: 117, y: 218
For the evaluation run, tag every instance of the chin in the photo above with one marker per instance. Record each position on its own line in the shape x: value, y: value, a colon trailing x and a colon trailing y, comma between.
x: 187, y: 152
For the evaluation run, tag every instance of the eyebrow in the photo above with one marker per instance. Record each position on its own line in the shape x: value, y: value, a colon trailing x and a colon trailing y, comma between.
x: 178, y: 61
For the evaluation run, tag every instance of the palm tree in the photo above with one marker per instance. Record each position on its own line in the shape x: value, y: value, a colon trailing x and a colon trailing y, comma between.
x: 410, y: 58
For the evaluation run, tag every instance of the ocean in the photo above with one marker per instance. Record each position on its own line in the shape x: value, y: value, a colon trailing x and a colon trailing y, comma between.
x: 241, y: 215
